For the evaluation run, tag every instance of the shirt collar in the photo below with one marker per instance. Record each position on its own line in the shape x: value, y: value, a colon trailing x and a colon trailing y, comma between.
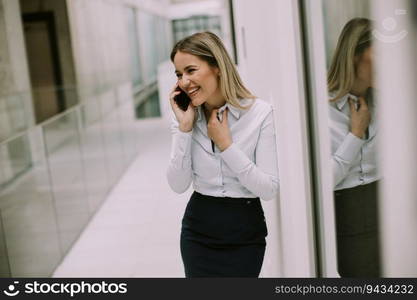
x: 233, y: 110
x: 343, y: 100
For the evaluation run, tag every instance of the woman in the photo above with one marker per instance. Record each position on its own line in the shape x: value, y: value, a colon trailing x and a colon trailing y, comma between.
x: 353, y: 132
x: 225, y: 144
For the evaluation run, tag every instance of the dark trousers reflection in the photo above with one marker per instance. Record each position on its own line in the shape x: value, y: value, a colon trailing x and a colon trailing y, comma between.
x: 357, y: 231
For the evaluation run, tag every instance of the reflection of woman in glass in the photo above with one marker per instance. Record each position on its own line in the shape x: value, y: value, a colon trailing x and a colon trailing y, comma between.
x: 225, y: 144
x: 353, y: 133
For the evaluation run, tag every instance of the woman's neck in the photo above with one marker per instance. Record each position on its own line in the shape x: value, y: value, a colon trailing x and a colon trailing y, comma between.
x: 210, y: 105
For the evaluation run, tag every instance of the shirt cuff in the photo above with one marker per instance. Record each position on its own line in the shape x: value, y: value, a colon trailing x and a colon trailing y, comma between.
x: 182, y: 143
x: 235, y: 159
x: 350, y: 147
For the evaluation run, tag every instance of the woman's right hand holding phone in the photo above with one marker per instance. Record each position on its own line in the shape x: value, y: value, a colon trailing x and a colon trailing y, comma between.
x: 184, y: 118
x: 359, y: 118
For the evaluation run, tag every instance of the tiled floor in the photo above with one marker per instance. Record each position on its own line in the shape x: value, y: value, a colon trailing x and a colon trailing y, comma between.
x: 136, y: 231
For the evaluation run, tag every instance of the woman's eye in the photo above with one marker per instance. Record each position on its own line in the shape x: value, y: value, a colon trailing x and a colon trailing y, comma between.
x: 191, y: 71
x: 179, y: 75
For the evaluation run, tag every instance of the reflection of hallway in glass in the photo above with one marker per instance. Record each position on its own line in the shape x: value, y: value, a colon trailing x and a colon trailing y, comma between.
x: 136, y: 231
x: 149, y: 108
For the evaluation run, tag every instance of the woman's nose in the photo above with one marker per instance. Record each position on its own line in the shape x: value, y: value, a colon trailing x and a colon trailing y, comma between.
x: 185, y: 81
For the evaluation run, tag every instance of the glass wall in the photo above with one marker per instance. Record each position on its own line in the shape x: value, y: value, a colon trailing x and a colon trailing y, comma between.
x: 4, y: 261
x: 137, y: 75
x: 56, y: 174
x: 155, y: 44
x: 186, y: 27
x: 361, y: 70
x: 344, y: 152
x: 12, y: 114
x: 74, y: 162
x: 149, y: 108
x: 154, y: 40
x: 353, y: 144
x: 149, y: 42
x: 16, y: 158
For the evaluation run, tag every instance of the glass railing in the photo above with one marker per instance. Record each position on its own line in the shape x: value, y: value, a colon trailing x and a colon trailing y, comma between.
x: 13, y: 114
x: 55, y: 175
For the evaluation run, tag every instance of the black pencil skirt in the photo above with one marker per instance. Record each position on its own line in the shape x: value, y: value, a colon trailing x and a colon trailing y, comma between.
x: 358, y: 252
x: 223, y: 237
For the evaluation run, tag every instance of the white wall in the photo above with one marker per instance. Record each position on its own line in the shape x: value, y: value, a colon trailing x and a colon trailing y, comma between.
x: 396, y: 73
x: 100, y: 47
x: 16, y: 107
x: 270, y: 62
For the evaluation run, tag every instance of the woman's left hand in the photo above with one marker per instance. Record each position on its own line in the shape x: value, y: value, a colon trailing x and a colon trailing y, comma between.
x: 218, y: 131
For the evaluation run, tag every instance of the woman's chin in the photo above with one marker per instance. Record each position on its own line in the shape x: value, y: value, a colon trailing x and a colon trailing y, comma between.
x: 196, y: 102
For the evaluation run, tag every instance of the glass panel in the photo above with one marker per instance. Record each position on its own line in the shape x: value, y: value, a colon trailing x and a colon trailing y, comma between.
x: 148, y: 36
x: 16, y: 111
x: 19, y: 155
x: 5, y: 128
x: 107, y: 101
x: 94, y: 159
x: 62, y: 143
x: 15, y: 159
x: 129, y: 132
x: 113, y: 145
x: 186, y: 27
x: 162, y: 39
x: 29, y: 223
x: 4, y: 259
x: 353, y: 125
x: 134, y: 46
x: 70, y: 96
x: 5, y: 165
x: 12, y: 114
x: 149, y: 108
x: 90, y: 112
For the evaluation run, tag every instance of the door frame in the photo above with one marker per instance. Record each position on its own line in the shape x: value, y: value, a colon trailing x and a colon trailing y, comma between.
x: 49, y: 18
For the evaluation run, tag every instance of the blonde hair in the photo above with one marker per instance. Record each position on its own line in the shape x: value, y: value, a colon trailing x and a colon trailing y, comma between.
x: 353, y: 41
x: 208, y: 47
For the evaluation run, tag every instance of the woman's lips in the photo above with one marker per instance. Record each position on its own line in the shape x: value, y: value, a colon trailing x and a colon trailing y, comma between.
x: 194, y: 92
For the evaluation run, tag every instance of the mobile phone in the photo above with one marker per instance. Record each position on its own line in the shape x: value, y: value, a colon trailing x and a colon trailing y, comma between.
x: 182, y: 99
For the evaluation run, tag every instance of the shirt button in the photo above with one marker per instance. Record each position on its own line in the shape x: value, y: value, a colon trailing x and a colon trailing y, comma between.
x: 248, y: 202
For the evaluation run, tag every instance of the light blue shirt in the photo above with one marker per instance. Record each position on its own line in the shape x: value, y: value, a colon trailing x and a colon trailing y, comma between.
x: 246, y: 169
x: 354, y: 159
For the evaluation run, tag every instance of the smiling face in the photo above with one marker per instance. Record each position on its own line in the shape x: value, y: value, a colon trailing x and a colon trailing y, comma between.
x: 197, y: 78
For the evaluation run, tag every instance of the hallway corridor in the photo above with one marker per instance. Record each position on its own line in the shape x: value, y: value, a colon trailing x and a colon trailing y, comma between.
x: 136, y: 231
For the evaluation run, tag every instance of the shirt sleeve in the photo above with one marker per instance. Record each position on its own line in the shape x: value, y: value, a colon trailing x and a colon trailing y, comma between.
x: 261, y: 178
x: 345, y: 156
x: 179, y: 172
